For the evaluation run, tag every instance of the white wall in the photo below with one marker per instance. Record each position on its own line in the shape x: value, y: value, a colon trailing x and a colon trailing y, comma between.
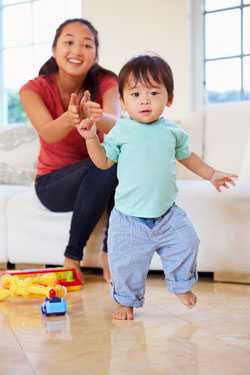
x: 130, y: 27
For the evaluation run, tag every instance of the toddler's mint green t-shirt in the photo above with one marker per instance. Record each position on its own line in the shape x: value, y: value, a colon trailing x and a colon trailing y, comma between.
x: 146, y: 156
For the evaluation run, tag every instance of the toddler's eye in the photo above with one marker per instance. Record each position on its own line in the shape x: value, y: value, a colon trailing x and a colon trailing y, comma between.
x: 153, y: 93
x: 135, y: 94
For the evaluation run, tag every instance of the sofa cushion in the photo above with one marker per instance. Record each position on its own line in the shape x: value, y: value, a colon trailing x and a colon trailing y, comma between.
x: 227, y: 128
x: 37, y: 235
x: 193, y: 123
x: 18, y: 153
x: 244, y: 174
x: 222, y: 222
x: 6, y: 192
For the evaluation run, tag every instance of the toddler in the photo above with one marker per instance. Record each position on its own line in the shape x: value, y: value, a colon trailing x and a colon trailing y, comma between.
x: 145, y: 218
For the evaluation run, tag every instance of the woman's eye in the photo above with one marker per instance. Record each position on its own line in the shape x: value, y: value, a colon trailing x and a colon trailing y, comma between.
x: 135, y: 94
x: 88, y: 46
x: 68, y: 42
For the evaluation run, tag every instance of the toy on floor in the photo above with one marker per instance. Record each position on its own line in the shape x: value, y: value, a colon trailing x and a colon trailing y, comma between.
x: 51, y: 277
x: 13, y: 286
x: 54, y: 305
x: 4, y: 294
x: 38, y: 282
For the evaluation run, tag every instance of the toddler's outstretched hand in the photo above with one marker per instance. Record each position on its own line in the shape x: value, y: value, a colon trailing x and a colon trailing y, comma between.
x: 87, y: 129
x: 221, y: 179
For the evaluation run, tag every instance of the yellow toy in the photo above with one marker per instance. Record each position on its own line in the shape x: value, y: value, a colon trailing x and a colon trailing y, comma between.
x: 44, y: 279
x: 4, y: 293
x: 38, y: 286
x: 50, y: 276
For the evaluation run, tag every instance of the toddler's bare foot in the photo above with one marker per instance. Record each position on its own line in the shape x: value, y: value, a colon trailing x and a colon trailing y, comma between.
x: 71, y: 263
x: 105, y: 267
x: 123, y: 313
x: 188, y: 299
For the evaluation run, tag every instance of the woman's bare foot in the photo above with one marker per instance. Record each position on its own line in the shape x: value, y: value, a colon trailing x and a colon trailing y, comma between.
x: 71, y: 263
x: 123, y: 313
x: 105, y: 267
x: 188, y: 299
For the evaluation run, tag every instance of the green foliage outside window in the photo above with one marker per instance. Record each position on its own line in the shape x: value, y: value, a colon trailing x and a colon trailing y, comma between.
x: 16, y: 113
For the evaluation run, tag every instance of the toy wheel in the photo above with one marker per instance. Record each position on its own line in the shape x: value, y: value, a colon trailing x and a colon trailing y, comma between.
x: 43, y: 309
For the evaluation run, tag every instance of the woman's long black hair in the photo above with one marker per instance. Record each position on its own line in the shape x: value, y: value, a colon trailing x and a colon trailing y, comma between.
x: 91, y: 80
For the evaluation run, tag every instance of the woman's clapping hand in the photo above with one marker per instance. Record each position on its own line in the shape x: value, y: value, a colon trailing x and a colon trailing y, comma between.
x: 90, y: 109
x: 73, y: 110
x: 82, y: 108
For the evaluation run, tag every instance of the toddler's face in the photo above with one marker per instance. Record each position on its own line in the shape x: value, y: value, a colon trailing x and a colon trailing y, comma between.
x: 143, y: 102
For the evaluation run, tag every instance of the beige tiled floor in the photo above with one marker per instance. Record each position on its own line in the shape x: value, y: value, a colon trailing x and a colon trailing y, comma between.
x: 164, y: 339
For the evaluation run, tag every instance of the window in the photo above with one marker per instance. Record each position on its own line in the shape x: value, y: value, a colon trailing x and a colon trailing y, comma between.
x: 27, y: 30
x: 227, y: 50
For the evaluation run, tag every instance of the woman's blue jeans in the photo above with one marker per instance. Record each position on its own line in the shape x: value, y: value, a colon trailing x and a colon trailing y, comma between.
x: 84, y: 189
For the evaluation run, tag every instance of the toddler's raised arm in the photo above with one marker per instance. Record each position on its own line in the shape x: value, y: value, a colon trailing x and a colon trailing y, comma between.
x: 217, y: 178
x: 87, y: 130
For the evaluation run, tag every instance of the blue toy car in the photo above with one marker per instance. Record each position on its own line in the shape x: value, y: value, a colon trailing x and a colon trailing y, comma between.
x: 54, y: 306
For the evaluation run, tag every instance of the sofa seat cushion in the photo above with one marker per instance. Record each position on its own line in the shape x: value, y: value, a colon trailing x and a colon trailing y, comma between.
x: 6, y: 192
x: 37, y: 235
x: 222, y: 221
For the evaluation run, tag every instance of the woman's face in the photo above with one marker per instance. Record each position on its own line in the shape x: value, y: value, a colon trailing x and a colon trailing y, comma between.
x: 75, y: 50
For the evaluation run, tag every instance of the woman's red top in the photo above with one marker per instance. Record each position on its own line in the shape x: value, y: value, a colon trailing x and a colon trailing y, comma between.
x: 72, y: 148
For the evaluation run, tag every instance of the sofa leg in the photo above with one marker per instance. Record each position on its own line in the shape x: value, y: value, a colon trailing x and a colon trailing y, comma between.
x: 10, y: 266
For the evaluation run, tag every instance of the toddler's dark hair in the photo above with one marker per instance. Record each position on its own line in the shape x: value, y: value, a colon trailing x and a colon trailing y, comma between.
x: 142, y: 68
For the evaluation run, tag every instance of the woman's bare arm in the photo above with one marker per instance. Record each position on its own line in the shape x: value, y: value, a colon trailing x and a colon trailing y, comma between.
x: 50, y: 130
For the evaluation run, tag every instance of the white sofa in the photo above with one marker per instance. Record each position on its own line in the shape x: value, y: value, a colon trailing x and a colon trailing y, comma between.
x: 29, y: 233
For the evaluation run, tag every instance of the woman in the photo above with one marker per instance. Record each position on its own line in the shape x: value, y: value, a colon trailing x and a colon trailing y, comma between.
x: 71, y: 86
